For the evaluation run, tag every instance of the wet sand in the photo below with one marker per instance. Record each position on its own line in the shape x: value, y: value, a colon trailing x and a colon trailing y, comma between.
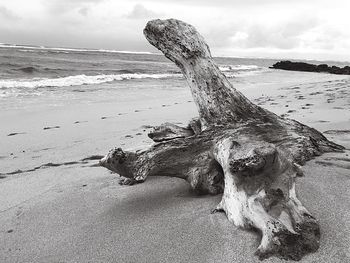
x: 56, y: 205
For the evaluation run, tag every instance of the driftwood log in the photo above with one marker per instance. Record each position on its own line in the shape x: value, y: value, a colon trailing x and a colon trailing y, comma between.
x: 236, y: 147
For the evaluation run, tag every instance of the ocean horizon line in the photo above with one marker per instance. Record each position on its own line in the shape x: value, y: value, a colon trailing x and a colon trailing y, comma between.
x: 11, y: 45
x: 73, y: 49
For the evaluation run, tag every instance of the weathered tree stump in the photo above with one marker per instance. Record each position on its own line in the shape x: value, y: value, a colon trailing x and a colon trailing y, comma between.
x: 235, y: 147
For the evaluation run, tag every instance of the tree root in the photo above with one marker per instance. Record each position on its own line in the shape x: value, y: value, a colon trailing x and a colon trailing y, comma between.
x: 236, y: 147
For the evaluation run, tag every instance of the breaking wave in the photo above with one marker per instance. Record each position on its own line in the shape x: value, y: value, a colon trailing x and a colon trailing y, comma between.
x: 232, y: 71
x: 78, y: 80
x: 238, y: 67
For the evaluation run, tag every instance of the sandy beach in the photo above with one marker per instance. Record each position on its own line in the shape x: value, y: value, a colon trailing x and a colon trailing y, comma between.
x: 58, y: 205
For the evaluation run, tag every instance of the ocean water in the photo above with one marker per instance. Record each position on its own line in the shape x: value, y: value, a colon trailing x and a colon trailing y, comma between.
x: 34, y: 73
x: 31, y: 76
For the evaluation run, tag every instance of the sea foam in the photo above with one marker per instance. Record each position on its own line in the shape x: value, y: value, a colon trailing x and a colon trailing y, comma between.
x: 77, y: 80
x: 226, y: 68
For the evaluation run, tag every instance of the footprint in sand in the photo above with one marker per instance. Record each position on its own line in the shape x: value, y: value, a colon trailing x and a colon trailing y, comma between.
x: 53, y: 127
x: 338, y: 162
x: 43, y: 149
x: 15, y: 133
x: 322, y: 121
x: 19, y: 212
x: 76, y: 122
x: 315, y: 93
x: 129, y: 136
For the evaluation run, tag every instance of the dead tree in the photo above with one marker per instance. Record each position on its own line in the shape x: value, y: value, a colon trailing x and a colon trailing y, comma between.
x: 236, y: 147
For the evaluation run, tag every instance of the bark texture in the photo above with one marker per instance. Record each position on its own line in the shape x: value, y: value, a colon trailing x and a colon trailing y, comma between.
x: 236, y: 147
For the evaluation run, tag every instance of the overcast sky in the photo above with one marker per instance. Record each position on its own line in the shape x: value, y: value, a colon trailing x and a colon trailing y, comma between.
x: 304, y: 29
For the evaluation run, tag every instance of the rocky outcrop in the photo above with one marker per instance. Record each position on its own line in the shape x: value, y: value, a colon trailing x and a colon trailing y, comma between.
x: 302, y: 66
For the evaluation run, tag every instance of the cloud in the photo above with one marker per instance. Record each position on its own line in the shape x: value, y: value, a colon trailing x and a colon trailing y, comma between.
x: 7, y: 14
x: 84, y: 11
x: 231, y: 27
x: 228, y: 3
x: 63, y: 6
x: 286, y: 33
x: 139, y: 11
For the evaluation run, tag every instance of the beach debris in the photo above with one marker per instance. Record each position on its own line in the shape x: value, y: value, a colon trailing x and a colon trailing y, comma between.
x: 250, y: 154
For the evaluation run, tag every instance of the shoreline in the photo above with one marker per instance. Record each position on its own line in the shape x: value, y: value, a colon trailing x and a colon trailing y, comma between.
x: 77, y: 213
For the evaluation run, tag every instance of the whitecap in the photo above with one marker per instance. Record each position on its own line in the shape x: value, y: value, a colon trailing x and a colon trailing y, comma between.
x: 77, y: 80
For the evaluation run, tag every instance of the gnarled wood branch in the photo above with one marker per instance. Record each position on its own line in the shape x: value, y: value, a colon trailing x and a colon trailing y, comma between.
x: 236, y: 147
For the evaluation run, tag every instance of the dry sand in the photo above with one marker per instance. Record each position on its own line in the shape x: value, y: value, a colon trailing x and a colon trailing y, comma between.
x: 69, y: 210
